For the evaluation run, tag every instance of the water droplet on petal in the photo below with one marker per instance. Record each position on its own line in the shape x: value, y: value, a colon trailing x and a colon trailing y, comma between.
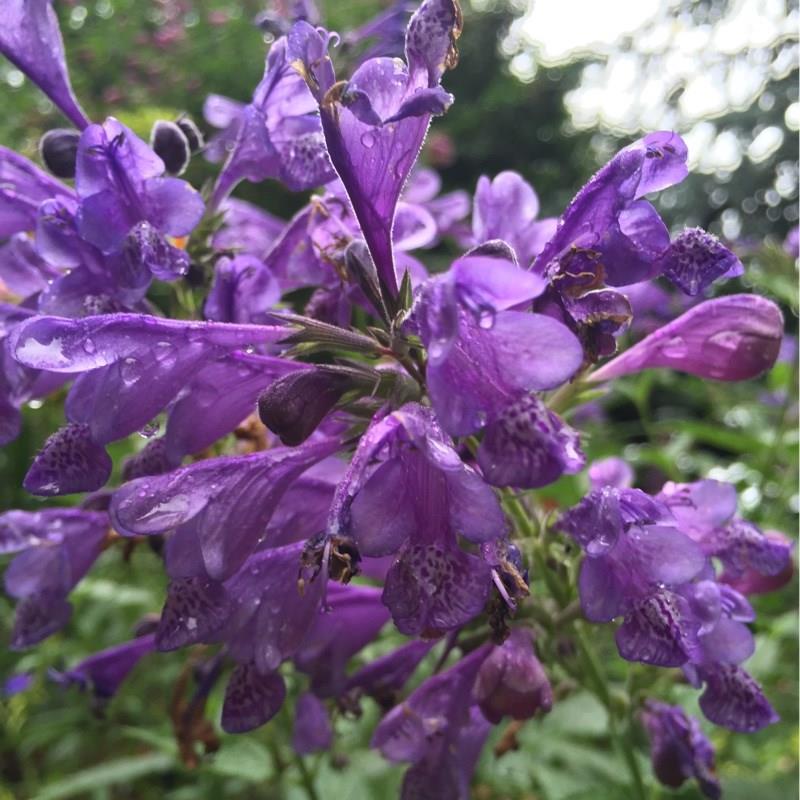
x: 131, y: 370
x: 149, y: 431
x: 368, y: 139
x: 727, y: 340
x: 89, y: 346
x: 436, y: 350
x: 486, y: 317
x: 165, y: 353
x: 676, y: 347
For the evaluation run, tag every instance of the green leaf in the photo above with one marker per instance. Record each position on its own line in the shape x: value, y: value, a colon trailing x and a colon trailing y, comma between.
x: 246, y: 759
x: 123, y: 770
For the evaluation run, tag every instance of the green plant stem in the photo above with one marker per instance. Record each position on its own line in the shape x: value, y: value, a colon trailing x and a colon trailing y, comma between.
x: 621, y: 741
x: 306, y: 778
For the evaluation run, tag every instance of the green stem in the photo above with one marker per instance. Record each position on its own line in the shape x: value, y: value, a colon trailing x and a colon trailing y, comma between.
x: 306, y: 778
x: 621, y: 741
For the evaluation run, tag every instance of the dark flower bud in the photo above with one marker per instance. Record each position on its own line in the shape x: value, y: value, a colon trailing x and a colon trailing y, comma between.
x: 295, y: 404
x: 361, y: 270
x: 679, y: 749
x: 171, y: 145
x: 512, y: 681
x: 151, y: 460
x: 192, y: 133
x: 494, y: 248
x: 59, y: 151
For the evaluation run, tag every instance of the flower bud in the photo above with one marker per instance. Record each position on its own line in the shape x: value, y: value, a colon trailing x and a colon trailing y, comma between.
x: 512, y: 681
x: 295, y: 404
x: 361, y: 269
x: 730, y: 338
x: 679, y: 749
x: 171, y: 145
x: 59, y: 151
x: 192, y: 133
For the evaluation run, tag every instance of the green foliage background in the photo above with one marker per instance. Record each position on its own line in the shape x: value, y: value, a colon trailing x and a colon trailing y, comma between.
x: 55, y: 744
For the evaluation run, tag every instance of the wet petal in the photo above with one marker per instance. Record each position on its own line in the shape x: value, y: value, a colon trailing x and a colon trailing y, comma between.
x: 486, y: 367
x: 31, y: 39
x: 77, y: 345
x: 251, y: 699
x: 696, y: 259
x: 529, y: 446
x: 729, y: 338
x: 195, y: 609
x: 70, y: 461
x: 23, y: 188
x: 435, y: 588
x: 105, y: 671
x: 312, y: 727
x: 658, y: 631
x: 733, y: 699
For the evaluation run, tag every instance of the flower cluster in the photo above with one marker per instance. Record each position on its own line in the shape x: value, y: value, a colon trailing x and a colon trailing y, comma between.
x: 401, y: 410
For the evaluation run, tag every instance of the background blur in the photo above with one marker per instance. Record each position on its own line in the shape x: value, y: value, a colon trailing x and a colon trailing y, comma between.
x: 550, y: 88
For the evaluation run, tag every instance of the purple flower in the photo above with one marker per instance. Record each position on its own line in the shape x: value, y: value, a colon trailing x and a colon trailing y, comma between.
x: 23, y: 187
x: 244, y: 290
x: 375, y: 123
x: 312, y: 727
x: 635, y: 560
x: 438, y: 731
x: 512, y: 682
x: 706, y: 511
x: 15, y: 684
x: 222, y: 393
x: 251, y: 698
x: 382, y: 678
x: 731, y: 338
x: 483, y: 361
x: 226, y: 114
x: 56, y: 548
x: 248, y: 229
x: 118, y: 180
x: 387, y: 30
x: 612, y: 471
x: 733, y: 699
x: 104, y: 672
x: 351, y: 618
x: 277, y: 135
x: 132, y: 366
x: 679, y: 749
x: 219, y: 507
x: 749, y: 580
x: 433, y: 586
x: 30, y: 38
x: 696, y: 259
x: 507, y: 208
x: 608, y: 228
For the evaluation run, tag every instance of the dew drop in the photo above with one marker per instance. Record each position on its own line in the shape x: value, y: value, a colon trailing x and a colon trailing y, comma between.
x: 726, y: 340
x: 89, y: 346
x: 368, y: 139
x: 436, y: 350
x: 486, y: 317
x: 131, y: 370
x: 165, y: 353
x: 676, y: 347
x: 149, y: 431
